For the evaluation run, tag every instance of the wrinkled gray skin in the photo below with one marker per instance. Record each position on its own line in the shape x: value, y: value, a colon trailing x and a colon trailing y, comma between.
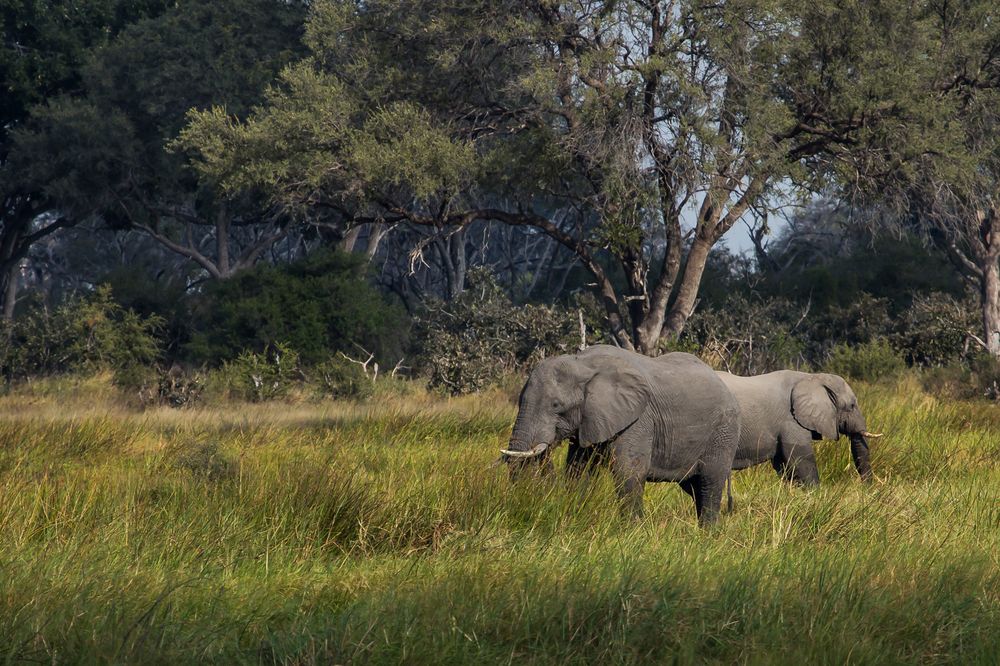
x: 668, y: 419
x: 784, y: 412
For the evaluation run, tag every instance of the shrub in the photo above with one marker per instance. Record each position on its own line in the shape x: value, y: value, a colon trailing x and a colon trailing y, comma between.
x: 747, y: 336
x: 266, y: 376
x: 472, y: 341
x: 934, y: 331
x: 861, y: 322
x: 950, y: 382
x: 986, y: 375
x: 318, y: 305
x: 869, y: 361
x: 339, y: 378
x: 160, y: 386
x: 86, y: 333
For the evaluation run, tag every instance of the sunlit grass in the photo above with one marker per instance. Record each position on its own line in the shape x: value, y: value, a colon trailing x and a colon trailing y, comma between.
x: 335, y: 532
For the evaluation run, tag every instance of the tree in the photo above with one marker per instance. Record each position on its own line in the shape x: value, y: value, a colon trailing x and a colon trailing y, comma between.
x: 42, y: 49
x: 939, y: 158
x: 957, y: 192
x: 105, y: 152
x: 634, y: 112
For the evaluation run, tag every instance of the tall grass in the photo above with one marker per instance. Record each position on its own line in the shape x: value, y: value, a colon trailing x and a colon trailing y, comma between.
x: 340, y: 533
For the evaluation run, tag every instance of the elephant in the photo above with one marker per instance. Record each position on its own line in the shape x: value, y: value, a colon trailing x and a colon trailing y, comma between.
x: 665, y: 419
x: 784, y: 412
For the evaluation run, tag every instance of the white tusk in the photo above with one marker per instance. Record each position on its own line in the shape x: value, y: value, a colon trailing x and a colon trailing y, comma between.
x: 538, y: 450
x: 872, y: 435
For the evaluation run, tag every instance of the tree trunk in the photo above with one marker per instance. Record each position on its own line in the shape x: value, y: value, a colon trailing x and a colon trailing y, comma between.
x: 10, y: 291
x: 222, y: 243
x: 991, y: 305
x: 350, y: 238
x: 458, y: 261
x: 687, y: 293
x: 375, y: 235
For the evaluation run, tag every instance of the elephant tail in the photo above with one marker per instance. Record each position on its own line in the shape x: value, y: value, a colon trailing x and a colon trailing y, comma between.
x: 729, y: 492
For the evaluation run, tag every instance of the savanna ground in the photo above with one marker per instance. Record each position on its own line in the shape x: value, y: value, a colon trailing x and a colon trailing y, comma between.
x: 340, y: 533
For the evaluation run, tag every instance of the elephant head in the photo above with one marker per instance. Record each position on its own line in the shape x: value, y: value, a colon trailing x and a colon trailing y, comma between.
x: 591, y: 397
x: 827, y: 406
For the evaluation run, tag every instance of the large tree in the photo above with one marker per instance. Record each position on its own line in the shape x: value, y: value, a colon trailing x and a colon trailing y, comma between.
x: 934, y: 162
x: 955, y: 189
x: 43, y: 46
x: 637, y: 113
x: 103, y: 152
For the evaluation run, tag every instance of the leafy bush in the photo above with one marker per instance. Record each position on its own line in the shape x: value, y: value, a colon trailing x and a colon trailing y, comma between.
x: 474, y: 340
x: 976, y: 379
x: 863, y: 321
x: 954, y: 381
x: 986, y: 375
x: 86, y: 333
x: 339, y: 378
x: 746, y: 336
x: 869, y: 361
x: 934, y: 331
x: 318, y: 305
x: 149, y: 386
x: 267, y: 376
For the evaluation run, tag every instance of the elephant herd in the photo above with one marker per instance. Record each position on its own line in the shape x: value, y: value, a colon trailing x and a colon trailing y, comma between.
x: 673, y: 418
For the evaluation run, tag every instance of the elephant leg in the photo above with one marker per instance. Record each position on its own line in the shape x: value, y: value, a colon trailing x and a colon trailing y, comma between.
x: 797, y: 463
x: 629, y: 467
x: 709, y: 489
x: 691, y: 486
x: 582, y: 460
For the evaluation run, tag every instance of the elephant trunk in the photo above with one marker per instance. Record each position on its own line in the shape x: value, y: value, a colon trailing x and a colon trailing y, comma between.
x: 523, y: 443
x: 859, y: 452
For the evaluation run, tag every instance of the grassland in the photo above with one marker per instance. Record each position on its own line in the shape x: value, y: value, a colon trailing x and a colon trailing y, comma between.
x: 339, y: 533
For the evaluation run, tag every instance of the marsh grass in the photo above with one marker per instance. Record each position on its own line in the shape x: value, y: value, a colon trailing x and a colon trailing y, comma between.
x: 372, y: 533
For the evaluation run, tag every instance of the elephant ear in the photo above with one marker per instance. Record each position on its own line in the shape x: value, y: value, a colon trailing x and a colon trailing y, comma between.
x: 612, y: 401
x: 814, y: 408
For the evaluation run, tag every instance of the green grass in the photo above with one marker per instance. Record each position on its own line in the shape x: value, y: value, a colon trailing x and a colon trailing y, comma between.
x: 334, y: 533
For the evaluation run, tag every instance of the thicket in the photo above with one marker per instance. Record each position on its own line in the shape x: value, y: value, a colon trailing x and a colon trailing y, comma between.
x: 279, y: 330
x: 85, y: 333
x: 474, y: 340
x: 317, y: 306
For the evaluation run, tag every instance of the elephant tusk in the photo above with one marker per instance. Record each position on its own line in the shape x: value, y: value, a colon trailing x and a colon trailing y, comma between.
x: 537, y: 451
x: 872, y: 435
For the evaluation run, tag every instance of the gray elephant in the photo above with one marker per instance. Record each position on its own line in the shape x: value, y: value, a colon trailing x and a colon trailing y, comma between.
x: 668, y: 419
x: 784, y: 412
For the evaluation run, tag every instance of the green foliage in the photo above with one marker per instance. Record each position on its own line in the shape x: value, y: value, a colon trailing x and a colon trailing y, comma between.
x: 935, y: 330
x: 194, y: 55
x: 748, y: 337
x: 86, y: 333
x: 474, y: 340
x: 869, y: 361
x: 292, y: 150
x: 400, y: 146
x: 863, y: 321
x: 338, y: 377
x: 977, y: 379
x: 318, y: 305
x: 46, y: 42
x: 258, y: 377
x: 87, y: 151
